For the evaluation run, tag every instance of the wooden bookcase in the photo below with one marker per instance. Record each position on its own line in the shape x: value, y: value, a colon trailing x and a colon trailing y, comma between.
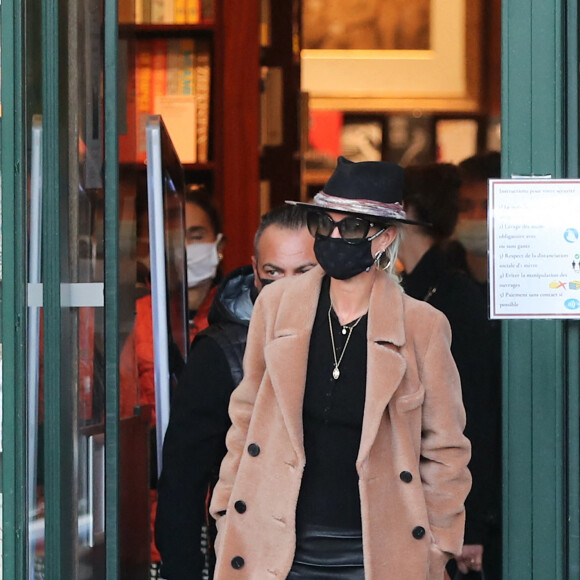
x: 280, y: 161
x: 232, y: 171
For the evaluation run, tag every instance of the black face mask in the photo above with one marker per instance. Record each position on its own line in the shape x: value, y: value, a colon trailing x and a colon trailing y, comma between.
x: 341, y: 260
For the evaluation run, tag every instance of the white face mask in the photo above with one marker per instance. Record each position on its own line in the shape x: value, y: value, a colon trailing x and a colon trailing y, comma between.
x: 473, y: 235
x: 202, y: 262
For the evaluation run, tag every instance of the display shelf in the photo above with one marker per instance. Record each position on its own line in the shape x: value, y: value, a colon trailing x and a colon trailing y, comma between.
x: 229, y: 166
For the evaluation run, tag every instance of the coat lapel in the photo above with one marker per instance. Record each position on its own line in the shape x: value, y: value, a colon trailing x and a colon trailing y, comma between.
x: 287, y: 353
x: 385, y: 365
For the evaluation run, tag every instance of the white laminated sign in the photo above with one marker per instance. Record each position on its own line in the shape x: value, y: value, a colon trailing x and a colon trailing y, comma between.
x: 534, y: 248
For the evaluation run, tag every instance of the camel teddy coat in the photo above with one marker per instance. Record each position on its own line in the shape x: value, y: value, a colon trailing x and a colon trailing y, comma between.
x: 412, y: 460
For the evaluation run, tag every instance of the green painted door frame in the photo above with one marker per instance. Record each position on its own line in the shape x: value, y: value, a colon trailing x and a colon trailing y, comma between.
x: 56, y: 55
x: 540, y: 358
x: 14, y: 513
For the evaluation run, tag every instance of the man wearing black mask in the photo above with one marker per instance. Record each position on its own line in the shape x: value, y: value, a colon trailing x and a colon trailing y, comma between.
x: 195, y: 440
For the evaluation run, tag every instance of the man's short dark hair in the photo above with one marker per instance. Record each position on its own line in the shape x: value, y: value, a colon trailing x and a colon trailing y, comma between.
x: 432, y: 190
x: 481, y: 167
x: 289, y: 217
x: 203, y: 199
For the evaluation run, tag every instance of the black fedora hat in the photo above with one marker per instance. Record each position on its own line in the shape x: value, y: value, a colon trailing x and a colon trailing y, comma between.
x: 367, y: 188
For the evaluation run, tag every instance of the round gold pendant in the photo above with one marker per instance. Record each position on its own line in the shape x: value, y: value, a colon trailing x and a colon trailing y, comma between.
x: 335, y: 374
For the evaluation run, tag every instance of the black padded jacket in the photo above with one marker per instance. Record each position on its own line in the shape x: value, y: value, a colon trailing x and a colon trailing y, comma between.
x: 194, y: 443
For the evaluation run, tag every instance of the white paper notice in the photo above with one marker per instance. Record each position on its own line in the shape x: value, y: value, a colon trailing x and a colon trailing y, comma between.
x: 534, y: 248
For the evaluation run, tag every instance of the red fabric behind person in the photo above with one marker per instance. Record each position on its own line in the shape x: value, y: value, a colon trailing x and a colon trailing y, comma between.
x: 137, y: 373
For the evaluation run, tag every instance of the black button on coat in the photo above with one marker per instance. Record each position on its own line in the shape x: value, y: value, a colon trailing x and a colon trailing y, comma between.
x: 406, y: 476
x: 254, y: 449
x: 418, y: 532
x: 240, y: 506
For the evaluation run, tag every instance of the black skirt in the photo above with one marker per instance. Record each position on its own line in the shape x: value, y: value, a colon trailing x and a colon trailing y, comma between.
x: 323, y: 553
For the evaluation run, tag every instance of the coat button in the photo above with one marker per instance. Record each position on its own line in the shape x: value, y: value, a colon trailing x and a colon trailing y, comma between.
x: 240, y: 506
x: 406, y: 476
x: 237, y: 562
x: 418, y: 532
x: 254, y: 449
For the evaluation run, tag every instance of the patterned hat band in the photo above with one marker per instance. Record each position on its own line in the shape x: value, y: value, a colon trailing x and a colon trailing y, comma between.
x: 361, y: 206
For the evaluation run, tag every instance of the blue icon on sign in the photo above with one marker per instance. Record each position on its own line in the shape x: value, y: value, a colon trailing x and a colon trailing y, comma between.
x: 571, y: 235
x: 572, y: 304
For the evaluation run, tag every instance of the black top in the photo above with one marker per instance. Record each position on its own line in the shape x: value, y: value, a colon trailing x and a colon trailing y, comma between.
x: 332, y: 414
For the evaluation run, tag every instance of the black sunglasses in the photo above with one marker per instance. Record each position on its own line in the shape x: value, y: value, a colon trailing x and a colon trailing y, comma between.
x: 353, y: 230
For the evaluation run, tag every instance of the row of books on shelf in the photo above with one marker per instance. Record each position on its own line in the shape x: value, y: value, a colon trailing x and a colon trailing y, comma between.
x: 174, y: 11
x: 172, y: 79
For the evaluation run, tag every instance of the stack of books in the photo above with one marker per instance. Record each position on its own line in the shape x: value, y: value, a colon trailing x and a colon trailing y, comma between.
x: 172, y: 79
x: 173, y: 11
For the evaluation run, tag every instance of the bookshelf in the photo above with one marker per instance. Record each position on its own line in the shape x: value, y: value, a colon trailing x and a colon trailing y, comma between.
x: 230, y: 165
x: 281, y: 104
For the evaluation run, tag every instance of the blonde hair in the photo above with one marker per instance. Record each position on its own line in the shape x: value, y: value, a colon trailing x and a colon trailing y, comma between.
x: 387, y: 261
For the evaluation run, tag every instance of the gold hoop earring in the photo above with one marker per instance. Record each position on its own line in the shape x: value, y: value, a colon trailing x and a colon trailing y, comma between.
x: 380, y: 259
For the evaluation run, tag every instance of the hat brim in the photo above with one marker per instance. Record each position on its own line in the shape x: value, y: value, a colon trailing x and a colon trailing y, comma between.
x: 376, y: 218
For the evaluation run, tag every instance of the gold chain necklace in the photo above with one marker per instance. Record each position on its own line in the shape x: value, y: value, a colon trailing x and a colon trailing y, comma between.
x: 345, y: 329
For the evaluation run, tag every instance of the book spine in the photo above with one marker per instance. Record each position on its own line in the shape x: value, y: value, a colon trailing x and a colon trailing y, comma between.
x: 192, y: 12
x: 173, y: 63
x: 158, y: 70
x: 143, y: 94
x: 207, y: 10
x: 180, y: 11
x: 202, y: 94
x: 147, y: 11
x: 186, y: 73
x: 128, y: 117
x: 157, y: 11
x: 139, y: 12
x: 127, y: 11
x: 168, y: 12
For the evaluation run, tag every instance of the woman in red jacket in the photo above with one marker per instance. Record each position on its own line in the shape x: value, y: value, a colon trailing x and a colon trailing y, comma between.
x: 204, y: 246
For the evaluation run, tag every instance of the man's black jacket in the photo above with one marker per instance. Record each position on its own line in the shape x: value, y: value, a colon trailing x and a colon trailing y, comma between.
x: 194, y: 443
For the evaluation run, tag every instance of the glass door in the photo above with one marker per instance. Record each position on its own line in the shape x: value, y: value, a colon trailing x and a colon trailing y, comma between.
x: 71, y: 511
x: 66, y: 383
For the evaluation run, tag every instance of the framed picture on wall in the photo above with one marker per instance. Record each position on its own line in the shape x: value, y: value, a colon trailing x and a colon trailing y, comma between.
x: 362, y: 137
x: 409, y: 139
x: 458, y: 137
x: 359, y: 137
x: 324, y: 132
x: 401, y: 138
x: 392, y: 55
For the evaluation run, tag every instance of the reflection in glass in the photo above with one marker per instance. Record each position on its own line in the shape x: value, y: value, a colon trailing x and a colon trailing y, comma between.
x: 36, y: 531
x: 81, y: 387
x: 165, y: 190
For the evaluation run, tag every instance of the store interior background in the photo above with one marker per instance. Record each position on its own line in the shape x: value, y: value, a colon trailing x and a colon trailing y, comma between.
x: 424, y: 124
x: 265, y: 97
x: 300, y: 130
x: 262, y: 98
x: 417, y: 119
x: 271, y: 139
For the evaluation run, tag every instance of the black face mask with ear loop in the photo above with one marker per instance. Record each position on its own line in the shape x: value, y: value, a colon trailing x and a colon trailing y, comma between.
x: 341, y: 260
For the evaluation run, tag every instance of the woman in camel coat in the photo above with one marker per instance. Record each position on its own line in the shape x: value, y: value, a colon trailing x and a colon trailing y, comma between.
x: 346, y: 456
